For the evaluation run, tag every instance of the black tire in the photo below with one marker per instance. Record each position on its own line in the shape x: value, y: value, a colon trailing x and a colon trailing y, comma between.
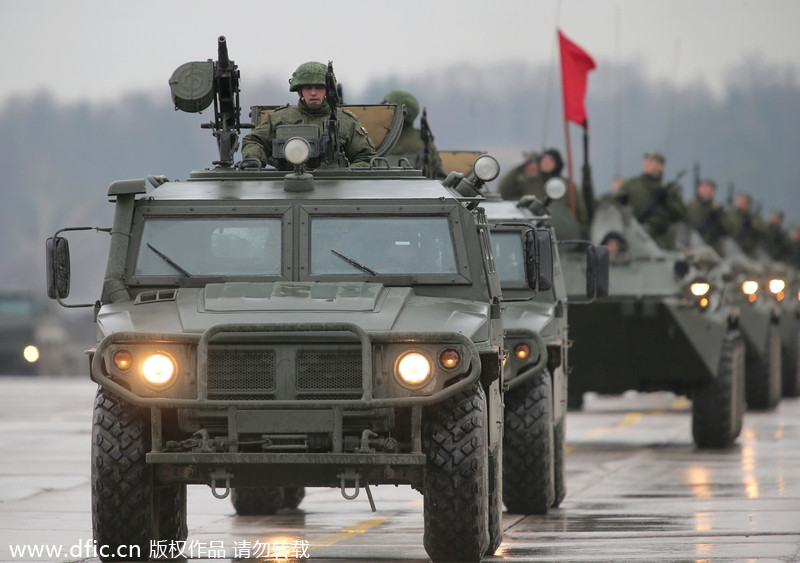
x: 528, y: 472
x: 559, y: 459
x: 791, y: 365
x: 455, y: 486
x: 495, y: 500
x: 293, y: 496
x: 128, y: 510
x: 718, y: 407
x: 764, y: 373
x: 257, y: 501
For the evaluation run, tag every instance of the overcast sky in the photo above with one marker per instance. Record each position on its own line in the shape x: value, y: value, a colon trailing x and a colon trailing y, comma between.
x: 97, y: 49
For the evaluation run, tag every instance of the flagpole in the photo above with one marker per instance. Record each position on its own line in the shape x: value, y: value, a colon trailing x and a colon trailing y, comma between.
x: 570, y: 183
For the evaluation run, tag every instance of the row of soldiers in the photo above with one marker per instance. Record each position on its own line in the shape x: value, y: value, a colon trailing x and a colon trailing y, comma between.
x: 658, y: 205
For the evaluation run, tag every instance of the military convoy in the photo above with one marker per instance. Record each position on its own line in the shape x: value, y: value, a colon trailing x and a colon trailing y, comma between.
x: 335, y: 327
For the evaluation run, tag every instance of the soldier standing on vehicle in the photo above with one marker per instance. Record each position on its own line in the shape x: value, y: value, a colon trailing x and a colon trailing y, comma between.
x: 704, y: 214
x: 794, y: 246
x: 523, y: 179
x: 776, y: 242
x: 746, y: 229
x: 655, y: 205
x: 312, y: 109
x: 412, y: 143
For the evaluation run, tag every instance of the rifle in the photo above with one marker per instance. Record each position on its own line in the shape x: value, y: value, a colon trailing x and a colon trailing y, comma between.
x: 332, y: 144
x: 730, y: 194
x: 424, y: 158
x: 658, y: 199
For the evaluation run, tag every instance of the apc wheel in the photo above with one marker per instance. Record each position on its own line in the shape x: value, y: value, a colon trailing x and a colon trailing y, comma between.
x: 293, y: 496
x: 257, y: 501
x: 528, y: 474
x: 718, y: 407
x: 791, y: 365
x: 455, y: 487
x: 764, y: 374
x: 559, y: 456
x: 128, y: 510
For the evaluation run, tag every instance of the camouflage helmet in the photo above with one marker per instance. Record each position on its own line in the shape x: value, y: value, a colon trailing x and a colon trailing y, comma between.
x: 308, y: 74
x: 403, y: 98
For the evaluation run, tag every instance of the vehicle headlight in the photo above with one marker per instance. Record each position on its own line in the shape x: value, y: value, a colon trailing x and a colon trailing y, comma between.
x: 123, y: 360
x: 750, y: 287
x: 555, y: 188
x: 486, y: 168
x: 297, y: 150
x: 522, y: 351
x: 414, y: 369
x: 30, y: 353
x: 158, y: 369
x: 699, y: 289
x: 450, y: 358
x: 776, y: 286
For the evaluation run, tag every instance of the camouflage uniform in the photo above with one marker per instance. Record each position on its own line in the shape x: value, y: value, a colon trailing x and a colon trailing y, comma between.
x: 776, y: 243
x: 746, y: 229
x: 410, y: 144
x: 707, y: 218
x: 357, y: 145
x: 656, y: 206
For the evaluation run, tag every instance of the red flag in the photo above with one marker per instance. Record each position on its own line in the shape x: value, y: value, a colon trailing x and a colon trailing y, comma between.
x: 575, y: 66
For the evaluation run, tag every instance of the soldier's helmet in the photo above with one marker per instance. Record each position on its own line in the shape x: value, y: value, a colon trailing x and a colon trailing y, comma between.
x: 308, y: 74
x: 404, y: 98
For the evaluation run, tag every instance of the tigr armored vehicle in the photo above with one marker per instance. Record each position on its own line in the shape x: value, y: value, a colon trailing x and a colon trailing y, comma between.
x: 537, y: 340
x: 664, y: 326
x: 262, y: 331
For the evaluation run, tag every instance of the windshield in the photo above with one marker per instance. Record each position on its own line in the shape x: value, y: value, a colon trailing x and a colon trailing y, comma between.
x: 380, y: 245
x: 509, y: 256
x: 213, y: 246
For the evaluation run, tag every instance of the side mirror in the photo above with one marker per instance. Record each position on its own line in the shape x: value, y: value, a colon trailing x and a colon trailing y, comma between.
x: 539, y: 259
x: 57, y: 267
x: 597, y: 270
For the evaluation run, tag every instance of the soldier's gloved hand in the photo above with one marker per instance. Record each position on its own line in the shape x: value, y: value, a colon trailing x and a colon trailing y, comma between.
x: 250, y: 163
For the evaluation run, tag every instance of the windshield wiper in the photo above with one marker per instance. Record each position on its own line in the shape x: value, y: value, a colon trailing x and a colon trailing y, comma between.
x: 358, y: 265
x: 169, y: 260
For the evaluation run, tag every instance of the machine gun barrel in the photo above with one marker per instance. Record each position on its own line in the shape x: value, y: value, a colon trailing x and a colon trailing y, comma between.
x: 222, y: 53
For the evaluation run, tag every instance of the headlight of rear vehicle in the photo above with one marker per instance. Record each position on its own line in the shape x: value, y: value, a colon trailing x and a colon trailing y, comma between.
x: 699, y: 289
x: 159, y: 369
x: 776, y: 286
x: 413, y: 370
x: 30, y: 353
x: 750, y: 287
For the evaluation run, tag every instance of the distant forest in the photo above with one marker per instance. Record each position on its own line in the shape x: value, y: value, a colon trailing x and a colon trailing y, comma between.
x: 57, y: 160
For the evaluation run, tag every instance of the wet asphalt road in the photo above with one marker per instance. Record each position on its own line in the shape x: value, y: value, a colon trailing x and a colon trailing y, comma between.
x: 638, y: 490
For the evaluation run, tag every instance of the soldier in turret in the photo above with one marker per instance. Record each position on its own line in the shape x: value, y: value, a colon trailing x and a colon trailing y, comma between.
x: 411, y: 143
x: 654, y: 205
x: 776, y: 242
x: 743, y: 225
x: 312, y: 108
x: 704, y: 214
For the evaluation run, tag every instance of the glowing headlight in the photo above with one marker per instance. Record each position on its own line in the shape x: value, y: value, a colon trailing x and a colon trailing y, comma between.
x: 296, y: 150
x: 123, y: 360
x: 486, y: 168
x: 522, y: 351
x: 699, y: 289
x: 414, y: 369
x: 158, y: 369
x: 30, y: 353
x: 450, y: 358
x: 776, y: 286
x: 750, y: 287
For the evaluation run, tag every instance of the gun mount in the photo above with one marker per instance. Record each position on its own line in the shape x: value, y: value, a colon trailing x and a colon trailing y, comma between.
x: 195, y: 85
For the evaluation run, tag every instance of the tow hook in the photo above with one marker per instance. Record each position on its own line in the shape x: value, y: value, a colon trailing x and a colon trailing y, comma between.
x: 355, y: 477
x: 222, y: 475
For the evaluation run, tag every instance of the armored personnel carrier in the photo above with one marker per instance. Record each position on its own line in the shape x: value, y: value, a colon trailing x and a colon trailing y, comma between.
x: 538, y: 343
x: 263, y: 331
x: 664, y: 326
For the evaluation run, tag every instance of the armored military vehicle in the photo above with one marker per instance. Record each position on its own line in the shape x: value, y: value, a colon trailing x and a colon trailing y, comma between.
x: 263, y: 331
x: 19, y: 352
x: 759, y: 319
x: 537, y: 341
x: 789, y: 305
x: 664, y: 326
